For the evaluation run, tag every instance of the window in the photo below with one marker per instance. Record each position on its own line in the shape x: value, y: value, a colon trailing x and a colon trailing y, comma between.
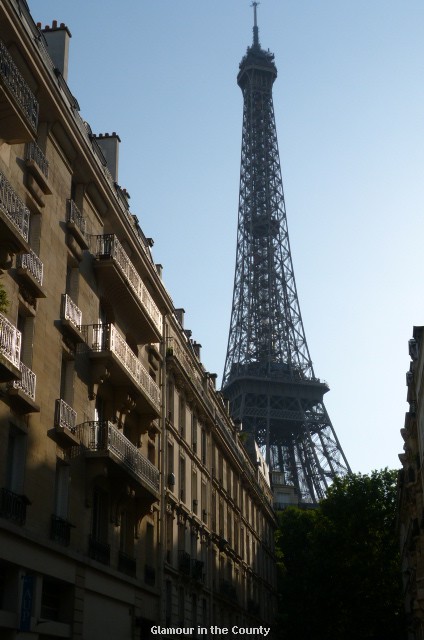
x: 221, y: 518
x: 25, y: 324
x: 126, y: 533
x: 100, y: 519
x: 182, y: 416
x: 229, y: 487
x: 182, y: 474
x: 204, y: 446
x: 169, y: 537
x: 204, y: 505
x: 151, y: 453
x: 194, y: 491
x: 15, y: 462
x: 194, y: 433
x: 72, y: 282
x: 170, y: 400
x: 61, y: 498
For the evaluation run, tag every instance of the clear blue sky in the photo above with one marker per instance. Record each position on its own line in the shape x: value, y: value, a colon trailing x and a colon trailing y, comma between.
x: 349, y: 103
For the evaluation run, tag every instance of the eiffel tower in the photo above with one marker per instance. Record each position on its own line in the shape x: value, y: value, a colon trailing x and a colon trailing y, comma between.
x: 268, y: 376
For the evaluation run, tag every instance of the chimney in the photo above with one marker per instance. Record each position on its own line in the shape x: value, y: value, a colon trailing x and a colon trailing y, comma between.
x: 109, y: 144
x: 159, y: 269
x: 57, y: 38
x: 196, y: 348
x: 179, y: 314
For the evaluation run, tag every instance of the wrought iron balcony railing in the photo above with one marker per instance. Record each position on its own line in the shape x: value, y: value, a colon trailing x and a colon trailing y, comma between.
x: 71, y: 312
x: 127, y: 564
x: 13, y: 207
x: 13, y: 506
x: 104, y: 437
x: 105, y: 337
x: 108, y: 246
x: 33, y: 152
x: 65, y: 417
x: 60, y: 530
x: 14, y: 81
x: 75, y: 217
x: 27, y: 381
x: 99, y: 551
x: 32, y: 263
x: 10, y: 341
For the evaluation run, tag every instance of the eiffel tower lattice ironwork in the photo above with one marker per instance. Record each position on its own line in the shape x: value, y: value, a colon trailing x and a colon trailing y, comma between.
x: 268, y: 376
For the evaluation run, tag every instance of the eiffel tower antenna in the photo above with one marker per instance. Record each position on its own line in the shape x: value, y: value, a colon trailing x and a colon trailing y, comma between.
x: 268, y: 375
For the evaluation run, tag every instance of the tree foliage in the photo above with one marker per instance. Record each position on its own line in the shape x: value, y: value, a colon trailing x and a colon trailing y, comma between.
x: 340, y: 568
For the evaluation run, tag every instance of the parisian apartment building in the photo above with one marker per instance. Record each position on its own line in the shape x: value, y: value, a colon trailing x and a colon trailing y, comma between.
x: 128, y: 496
x: 410, y: 491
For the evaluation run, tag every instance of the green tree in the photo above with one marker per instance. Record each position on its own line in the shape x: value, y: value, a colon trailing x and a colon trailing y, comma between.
x: 340, y: 568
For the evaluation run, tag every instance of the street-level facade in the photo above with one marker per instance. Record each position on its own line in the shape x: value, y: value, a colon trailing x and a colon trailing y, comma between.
x: 127, y: 497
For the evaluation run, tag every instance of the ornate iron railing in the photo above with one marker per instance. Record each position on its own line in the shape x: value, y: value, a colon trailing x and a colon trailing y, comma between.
x: 10, y: 341
x: 13, y: 506
x: 70, y: 311
x: 105, y: 437
x: 74, y: 215
x: 33, y: 152
x: 27, y: 381
x: 18, y: 87
x: 105, y: 337
x: 60, y: 530
x: 65, y: 417
x: 13, y: 207
x: 109, y: 246
x: 99, y: 551
x: 32, y: 263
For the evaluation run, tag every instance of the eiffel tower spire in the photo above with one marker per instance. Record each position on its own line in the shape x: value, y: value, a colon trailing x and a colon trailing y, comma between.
x: 268, y: 375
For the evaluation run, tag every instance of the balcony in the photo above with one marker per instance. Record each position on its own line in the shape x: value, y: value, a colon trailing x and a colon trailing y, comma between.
x: 76, y: 224
x: 30, y: 269
x: 109, y: 351
x: 119, y: 278
x: 127, y: 564
x: 37, y: 174
x: 99, y: 551
x: 60, y: 530
x: 18, y: 106
x: 103, y: 440
x: 14, y: 220
x: 22, y: 392
x: 71, y: 318
x: 13, y: 506
x: 10, y: 351
x: 65, y: 425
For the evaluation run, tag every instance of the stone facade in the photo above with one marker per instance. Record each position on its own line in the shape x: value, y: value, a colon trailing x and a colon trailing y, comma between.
x: 127, y: 497
x: 411, y: 507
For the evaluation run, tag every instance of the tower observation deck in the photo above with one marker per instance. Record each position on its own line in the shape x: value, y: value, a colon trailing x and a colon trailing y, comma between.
x: 268, y: 375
